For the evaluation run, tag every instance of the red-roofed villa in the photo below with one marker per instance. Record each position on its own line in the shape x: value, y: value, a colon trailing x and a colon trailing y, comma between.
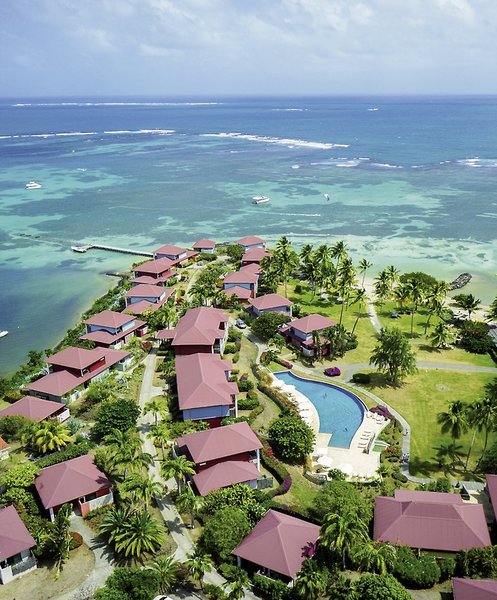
x: 16, y: 542
x: 205, y: 246
x: 278, y: 545
x: 174, y: 253
x: 430, y: 521
x: 251, y: 241
x: 110, y: 329
x: 37, y: 410
x: 78, y: 481
x: 246, y: 278
x: 474, y: 589
x: 143, y: 297
x: 270, y: 303
x: 254, y: 255
x: 159, y: 271
x: 300, y: 333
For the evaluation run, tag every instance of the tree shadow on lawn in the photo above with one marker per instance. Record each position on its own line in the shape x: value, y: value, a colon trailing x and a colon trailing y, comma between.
x: 421, y: 468
x: 381, y: 381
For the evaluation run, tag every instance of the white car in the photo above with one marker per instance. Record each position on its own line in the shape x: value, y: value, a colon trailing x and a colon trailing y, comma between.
x: 240, y: 324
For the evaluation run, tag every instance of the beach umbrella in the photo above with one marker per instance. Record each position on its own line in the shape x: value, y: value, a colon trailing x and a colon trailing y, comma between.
x: 325, y: 461
x: 346, y: 468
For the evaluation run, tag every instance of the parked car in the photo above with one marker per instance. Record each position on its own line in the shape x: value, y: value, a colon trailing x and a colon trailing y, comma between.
x: 332, y: 371
x: 240, y: 324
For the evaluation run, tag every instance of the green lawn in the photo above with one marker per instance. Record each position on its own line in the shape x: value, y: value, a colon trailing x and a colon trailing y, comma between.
x: 302, y: 492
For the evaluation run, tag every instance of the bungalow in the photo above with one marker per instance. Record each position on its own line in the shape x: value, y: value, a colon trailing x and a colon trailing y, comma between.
x: 491, y: 489
x: 254, y: 256
x: 36, y: 409
x: 251, y: 241
x: 300, y: 333
x: 16, y: 557
x: 430, y: 521
x: 474, y: 589
x: 278, y: 545
x: 159, y: 271
x: 205, y: 246
x: 174, y: 253
x: 203, y: 329
x: 77, y: 481
x: 143, y: 297
x: 204, y: 389
x: 4, y: 448
x: 270, y: 303
x: 109, y: 329
x: 222, y: 456
x: 246, y: 278
x: 73, y: 369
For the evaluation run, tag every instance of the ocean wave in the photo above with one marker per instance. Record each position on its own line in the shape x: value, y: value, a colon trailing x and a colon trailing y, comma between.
x: 291, y: 143
x: 138, y: 131
x: 386, y: 166
x: 289, y: 214
x: 345, y: 163
x: 289, y: 109
x: 24, y: 104
x: 477, y: 162
x: 87, y: 133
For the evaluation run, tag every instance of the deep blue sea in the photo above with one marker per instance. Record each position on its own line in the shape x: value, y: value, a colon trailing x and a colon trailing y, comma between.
x: 412, y: 181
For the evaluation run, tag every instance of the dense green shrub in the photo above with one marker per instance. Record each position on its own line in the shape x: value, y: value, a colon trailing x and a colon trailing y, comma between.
x: 230, y: 348
x: 447, y: 568
x: 340, y: 496
x: 132, y: 583
x: 271, y: 589
x: 71, y: 451
x: 442, y: 484
x: 247, y: 403
x: 245, y: 385
x: 291, y: 438
x: 398, y: 476
x: 361, y: 378
x: 214, y: 592
x: 120, y: 414
x: 416, y: 573
x: 278, y: 469
x: 224, y: 531
x: 380, y: 587
x: 477, y: 562
x: 12, y: 427
x: 267, y: 325
x: 475, y: 338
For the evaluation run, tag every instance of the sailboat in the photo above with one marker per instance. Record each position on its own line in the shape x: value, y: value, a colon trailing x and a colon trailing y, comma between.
x: 326, y: 197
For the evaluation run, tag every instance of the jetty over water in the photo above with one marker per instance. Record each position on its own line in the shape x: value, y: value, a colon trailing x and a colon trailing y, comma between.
x: 85, y: 247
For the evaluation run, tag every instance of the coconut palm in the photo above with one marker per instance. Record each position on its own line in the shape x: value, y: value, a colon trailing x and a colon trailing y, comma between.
x: 178, y: 468
x: 139, y: 487
x: 47, y: 436
x: 435, y: 300
x: 454, y: 421
x: 237, y: 585
x: 476, y: 417
x: 392, y: 274
x: 161, y: 434
x: 59, y: 537
x: 382, y: 287
x: 491, y: 314
x: 415, y: 289
x: 188, y: 502
x: 199, y: 563
x: 140, y: 534
x: 342, y: 532
x: 118, y: 439
x: 323, y: 259
x: 359, y: 299
x: 375, y: 556
x: 338, y: 251
x: 489, y: 410
x: 441, y: 336
x: 285, y: 258
x: 167, y: 570
x: 305, y: 254
x: 401, y: 295
x: 126, y: 460
x: 362, y: 267
x: 467, y: 302
x: 310, y: 583
x: 157, y: 406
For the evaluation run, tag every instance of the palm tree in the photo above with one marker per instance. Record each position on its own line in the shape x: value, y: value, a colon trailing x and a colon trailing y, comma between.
x: 382, y: 288
x: 198, y: 564
x: 140, y: 534
x: 285, y: 258
x: 237, y: 585
x: 47, y: 436
x: 161, y: 433
x: 441, y: 336
x: 305, y: 254
x: 476, y: 419
x: 359, y: 298
x: 324, y: 263
x: 454, y: 421
x: 60, y: 538
x: 489, y: 409
x: 188, y: 502
x: 140, y: 487
x: 310, y: 582
x: 401, y: 295
x: 375, y: 556
x: 157, y: 406
x: 178, y: 468
x: 119, y: 440
x: 416, y: 296
x: 467, y: 302
x: 125, y: 453
x: 342, y: 532
x: 114, y: 521
x: 167, y: 570
x: 363, y: 266
x: 338, y: 251
x: 491, y: 314
x: 392, y: 275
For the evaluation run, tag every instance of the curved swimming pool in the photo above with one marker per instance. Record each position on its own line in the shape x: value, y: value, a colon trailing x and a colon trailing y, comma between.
x: 340, y: 412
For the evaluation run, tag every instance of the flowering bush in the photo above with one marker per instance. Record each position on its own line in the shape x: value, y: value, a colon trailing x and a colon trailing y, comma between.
x: 382, y: 410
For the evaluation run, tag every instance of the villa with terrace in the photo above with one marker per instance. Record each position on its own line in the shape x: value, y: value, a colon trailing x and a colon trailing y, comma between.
x: 154, y: 271
x: 251, y: 241
x: 77, y: 481
x: 300, y: 333
x: 36, y: 409
x: 277, y: 546
x: 143, y: 297
x: 430, y: 521
x: 222, y: 456
x: 270, y: 303
x: 175, y: 254
x: 16, y: 556
x: 242, y: 283
x: 254, y: 256
x: 204, y: 245
x: 204, y: 389
x: 110, y: 329
x: 73, y: 369
x: 203, y: 329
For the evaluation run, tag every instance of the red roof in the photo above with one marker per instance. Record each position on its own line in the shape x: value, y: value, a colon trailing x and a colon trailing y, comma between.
x: 209, y: 244
x: 69, y: 480
x: 105, y: 337
x: 474, y: 589
x: 146, y: 279
x: 250, y: 240
x: 109, y: 318
x: 269, y: 301
x: 430, y: 520
x: 224, y: 474
x: 76, y: 358
x: 221, y: 442
x: 14, y: 537
x: 238, y: 291
x: 241, y: 276
x: 156, y: 266
x: 32, y: 408
x: 170, y: 250
x: 491, y: 488
x: 202, y: 382
x: 165, y: 334
x: 311, y: 323
x: 3, y: 444
x: 148, y: 291
x: 200, y: 326
x: 278, y: 542
x: 255, y: 254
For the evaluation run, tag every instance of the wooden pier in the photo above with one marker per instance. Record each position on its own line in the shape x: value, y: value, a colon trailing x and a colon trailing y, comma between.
x: 122, y: 250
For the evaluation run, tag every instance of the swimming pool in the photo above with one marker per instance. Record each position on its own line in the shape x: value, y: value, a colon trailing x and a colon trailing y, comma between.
x: 340, y: 411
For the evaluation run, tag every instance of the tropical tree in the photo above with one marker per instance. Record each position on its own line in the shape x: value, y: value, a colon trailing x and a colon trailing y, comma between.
x: 60, y: 538
x: 415, y: 289
x: 362, y: 267
x: 436, y: 300
x: 139, y: 534
x: 359, y: 299
x: 161, y: 433
x: 393, y: 355
x: 342, y: 532
x: 310, y: 582
x: 489, y: 412
x: 338, y: 251
x: 167, y: 569
x: 467, y: 302
x: 375, y: 556
x: 291, y: 438
x: 179, y: 468
x: 305, y: 255
x: 237, y: 585
x: 401, y: 295
x: 491, y: 314
x: 157, y: 406
x: 124, y: 453
x: 199, y: 563
x: 140, y: 487
x: 454, y: 421
x: 188, y: 502
x: 324, y: 264
x: 476, y: 417
x: 285, y: 259
x: 382, y: 287
x: 47, y: 436
x: 392, y: 275
x: 441, y: 336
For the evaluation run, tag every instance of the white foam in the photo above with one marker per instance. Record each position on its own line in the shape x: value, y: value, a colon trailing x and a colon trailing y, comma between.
x: 478, y: 162
x: 138, y: 131
x: 88, y: 133
x: 386, y: 166
x: 290, y: 109
x: 290, y: 143
x: 24, y: 104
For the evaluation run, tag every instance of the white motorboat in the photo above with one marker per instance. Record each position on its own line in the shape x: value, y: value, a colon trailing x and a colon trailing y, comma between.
x: 32, y: 185
x: 260, y: 199
x: 81, y: 248
x: 3, y: 333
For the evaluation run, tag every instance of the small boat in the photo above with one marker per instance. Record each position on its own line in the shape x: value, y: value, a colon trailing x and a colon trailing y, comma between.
x: 260, y: 200
x: 3, y: 333
x: 326, y: 197
x: 32, y: 185
x: 81, y: 248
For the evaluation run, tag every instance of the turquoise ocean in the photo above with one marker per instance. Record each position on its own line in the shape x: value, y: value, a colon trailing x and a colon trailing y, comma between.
x: 412, y: 182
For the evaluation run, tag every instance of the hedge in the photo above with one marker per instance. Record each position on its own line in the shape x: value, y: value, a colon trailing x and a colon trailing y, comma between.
x: 416, y: 573
x: 398, y: 476
x: 361, y: 378
x: 72, y: 451
x: 248, y: 403
x: 277, y: 468
x: 245, y: 385
x: 279, y: 398
x: 271, y: 589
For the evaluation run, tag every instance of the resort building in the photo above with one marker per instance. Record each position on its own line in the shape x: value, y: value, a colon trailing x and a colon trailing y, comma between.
x: 174, y: 253
x: 204, y: 246
x: 474, y: 589
x: 4, y: 448
x: 251, y: 241
x: 222, y: 456
x: 242, y: 283
x: 278, y: 545
x: 301, y: 332
x: 77, y: 481
x: 430, y: 521
x: 16, y: 557
x: 254, y: 256
x: 204, y: 389
x: 154, y: 271
x: 110, y: 329
x: 73, y: 369
x: 36, y: 409
x: 144, y: 297
x: 202, y: 329
x: 270, y: 303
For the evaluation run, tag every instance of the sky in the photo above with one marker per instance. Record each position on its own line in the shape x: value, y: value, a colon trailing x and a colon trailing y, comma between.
x: 241, y: 47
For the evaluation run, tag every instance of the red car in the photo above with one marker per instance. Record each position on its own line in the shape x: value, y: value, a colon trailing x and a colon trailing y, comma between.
x: 332, y: 371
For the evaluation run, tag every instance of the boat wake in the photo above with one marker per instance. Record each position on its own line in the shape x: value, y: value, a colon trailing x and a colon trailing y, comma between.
x: 290, y: 143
